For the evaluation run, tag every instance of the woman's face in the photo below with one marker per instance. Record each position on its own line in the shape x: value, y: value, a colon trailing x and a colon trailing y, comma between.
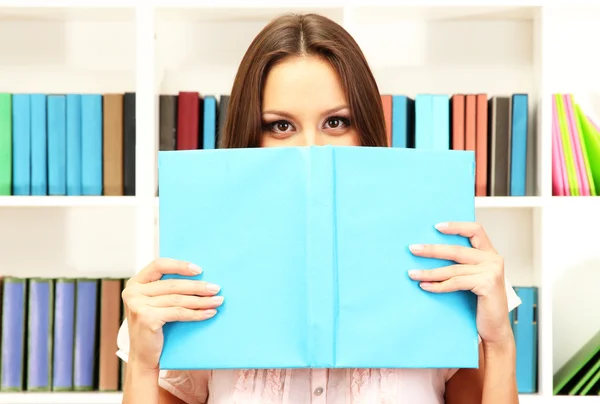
x: 304, y: 105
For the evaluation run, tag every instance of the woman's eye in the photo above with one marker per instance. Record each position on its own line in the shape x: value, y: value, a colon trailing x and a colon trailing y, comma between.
x: 282, y: 126
x: 334, y: 122
x: 337, y: 122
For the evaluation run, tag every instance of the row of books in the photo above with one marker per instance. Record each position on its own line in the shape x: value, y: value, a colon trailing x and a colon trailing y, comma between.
x: 575, y: 149
x: 60, y: 334
x: 84, y: 144
x: 495, y: 128
x: 67, y: 144
x: 580, y: 375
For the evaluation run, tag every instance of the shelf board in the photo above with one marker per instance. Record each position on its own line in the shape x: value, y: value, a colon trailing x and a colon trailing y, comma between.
x: 61, y: 398
x: 497, y: 202
x: 67, y: 201
x: 502, y: 202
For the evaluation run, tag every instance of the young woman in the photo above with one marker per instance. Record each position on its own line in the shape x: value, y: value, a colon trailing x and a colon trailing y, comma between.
x: 304, y: 81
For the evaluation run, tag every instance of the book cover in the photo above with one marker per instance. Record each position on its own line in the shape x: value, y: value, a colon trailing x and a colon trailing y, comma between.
x: 310, y: 248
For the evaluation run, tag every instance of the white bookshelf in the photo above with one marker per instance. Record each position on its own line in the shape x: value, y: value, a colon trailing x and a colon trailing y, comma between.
x: 537, y: 47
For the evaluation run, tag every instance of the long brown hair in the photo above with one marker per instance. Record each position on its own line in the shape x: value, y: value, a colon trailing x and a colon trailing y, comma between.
x: 304, y: 34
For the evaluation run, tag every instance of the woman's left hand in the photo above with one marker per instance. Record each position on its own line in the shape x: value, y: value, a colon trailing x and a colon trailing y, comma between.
x: 478, y: 268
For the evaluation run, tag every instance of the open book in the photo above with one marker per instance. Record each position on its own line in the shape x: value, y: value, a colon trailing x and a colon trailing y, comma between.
x: 310, y: 248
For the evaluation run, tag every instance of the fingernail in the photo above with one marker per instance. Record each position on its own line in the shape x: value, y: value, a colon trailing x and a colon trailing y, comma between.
x: 413, y: 272
x: 441, y: 226
x: 425, y: 285
x: 216, y: 299
x: 213, y: 288
x: 416, y: 247
x: 210, y: 313
x: 194, y: 268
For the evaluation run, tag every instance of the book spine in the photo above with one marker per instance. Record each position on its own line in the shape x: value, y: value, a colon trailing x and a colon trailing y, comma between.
x: 14, y: 295
x: 424, y: 125
x: 57, y: 150
x: 322, y: 310
x: 210, y: 124
x: 221, y: 117
x: 440, y: 117
x: 39, y: 153
x: 399, y: 120
x: 386, y: 102
x: 91, y: 144
x: 5, y: 144
x: 518, y: 168
x: 188, y: 120
x: 73, y: 134
x: 39, y: 335
x: 129, y: 136
x: 64, y: 329
x: 110, y: 321
x: 85, y: 334
x: 21, y: 141
x: 112, y: 148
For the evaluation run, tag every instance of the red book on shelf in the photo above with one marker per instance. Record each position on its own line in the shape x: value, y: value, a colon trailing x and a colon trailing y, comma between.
x: 188, y: 120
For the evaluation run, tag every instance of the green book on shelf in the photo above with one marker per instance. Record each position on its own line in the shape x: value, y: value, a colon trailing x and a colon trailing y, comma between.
x: 579, y: 369
x: 5, y: 144
x: 591, y: 141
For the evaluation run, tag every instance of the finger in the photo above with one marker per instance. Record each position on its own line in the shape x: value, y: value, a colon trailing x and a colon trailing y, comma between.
x: 456, y: 283
x: 179, y: 287
x: 458, y: 254
x: 443, y: 273
x: 163, y: 266
x: 472, y: 230
x: 186, y: 301
x: 170, y: 314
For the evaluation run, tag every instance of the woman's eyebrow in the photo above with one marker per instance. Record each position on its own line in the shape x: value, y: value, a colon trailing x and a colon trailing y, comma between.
x: 288, y: 115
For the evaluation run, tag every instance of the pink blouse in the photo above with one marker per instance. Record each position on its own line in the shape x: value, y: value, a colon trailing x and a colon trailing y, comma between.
x: 317, y: 386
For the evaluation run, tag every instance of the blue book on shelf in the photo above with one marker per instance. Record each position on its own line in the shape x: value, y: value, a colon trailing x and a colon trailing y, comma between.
x: 518, y: 138
x: 403, y: 109
x: 21, y: 144
x: 39, y: 334
x: 14, y: 329
x: 73, y: 142
x: 57, y: 145
x: 210, y: 122
x: 64, y: 335
x: 91, y: 144
x: 524, y: 324
x: 39, y: 150
x: 310, y: 248
x: 85, y: 352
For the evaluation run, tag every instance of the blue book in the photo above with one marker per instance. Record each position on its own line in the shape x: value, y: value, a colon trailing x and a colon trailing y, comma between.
x: 403, y: 122
x: 21, y: 144
x: 210, y: 122
x: 57, y: 145
x: 85, y: 352
x: 73, y: 144
x: 39, y: 147
x: 91, y: 144
x: 39, y: 334
x: 518, y: 153
x: 14, y: 330
x: 526, y: 339
x: 424, y: 117
x: 64, y: 330
x: 310, y: 248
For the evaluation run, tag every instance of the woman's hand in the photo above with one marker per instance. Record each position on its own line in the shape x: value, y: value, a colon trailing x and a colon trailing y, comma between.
x: 151, y: 302
x: 479, y: 269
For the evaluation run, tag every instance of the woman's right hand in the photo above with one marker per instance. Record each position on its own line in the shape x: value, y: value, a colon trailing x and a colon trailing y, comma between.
x: 151, y: 302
